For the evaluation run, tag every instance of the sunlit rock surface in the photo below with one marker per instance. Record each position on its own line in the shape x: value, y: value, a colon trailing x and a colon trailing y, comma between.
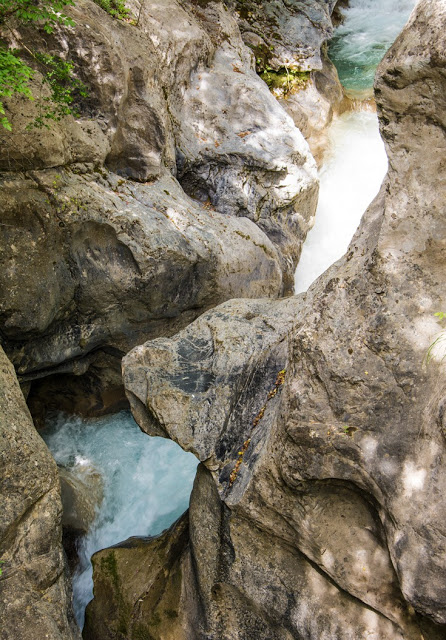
x: 35, y: 593
x: 318, y: 511
x: 102, y: 246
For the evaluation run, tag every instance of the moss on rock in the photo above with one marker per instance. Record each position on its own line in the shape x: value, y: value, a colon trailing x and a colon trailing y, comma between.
x: 285, y: 81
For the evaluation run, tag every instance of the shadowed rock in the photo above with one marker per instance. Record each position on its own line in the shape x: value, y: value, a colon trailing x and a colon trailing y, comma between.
x: 131, y: 256
x: 330, y: 490
x: 35, y: 594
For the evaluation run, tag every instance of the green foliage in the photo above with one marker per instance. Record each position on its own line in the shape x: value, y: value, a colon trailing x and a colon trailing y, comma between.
x: 46, y: 12
x: 58, y: 75
x: 16, y: 74
x: 285, y: 81
x: 14, y: 78
x: 115, y: 8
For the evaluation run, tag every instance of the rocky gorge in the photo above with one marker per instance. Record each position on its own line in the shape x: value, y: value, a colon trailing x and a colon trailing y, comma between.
x: 165, y: 223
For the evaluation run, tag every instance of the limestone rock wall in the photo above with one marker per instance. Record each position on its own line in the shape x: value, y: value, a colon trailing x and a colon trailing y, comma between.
x: 102, y: 245
x: 318, y: 511
x: 35, y: 590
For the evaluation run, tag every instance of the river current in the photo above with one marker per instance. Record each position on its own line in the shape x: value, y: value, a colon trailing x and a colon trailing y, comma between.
x: 146, y: 483
x: 355, y: 162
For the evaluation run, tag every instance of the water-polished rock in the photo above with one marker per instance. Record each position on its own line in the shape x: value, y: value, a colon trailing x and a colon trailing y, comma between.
x: 35, y: 594
x: 126, y: 261
x: 319, y: 509
x: 102, y: 248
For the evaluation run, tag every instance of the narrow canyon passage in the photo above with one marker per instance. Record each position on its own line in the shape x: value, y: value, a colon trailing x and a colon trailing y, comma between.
x: 141, y: 484
x: 146, y: 482
x: 369, y: 29
x: 355, y: 161
x: 350, y: 178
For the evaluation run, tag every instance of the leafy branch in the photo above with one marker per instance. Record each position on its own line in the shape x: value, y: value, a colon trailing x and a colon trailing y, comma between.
x: 58, y: 76
x: 16, y: 74
x: 116, y: 8
x: 14, y: 78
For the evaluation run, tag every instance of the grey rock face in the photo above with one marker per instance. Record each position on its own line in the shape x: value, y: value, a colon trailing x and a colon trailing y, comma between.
x: 132, y: 258
x: 286, y: 34
x: 34, y: 588
x: 126, y: 261
x: 292, y: 36
x: 321, y: 511
x: 313, y: 107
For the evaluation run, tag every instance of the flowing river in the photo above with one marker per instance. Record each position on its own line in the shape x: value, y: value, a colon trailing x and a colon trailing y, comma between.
x: 355, y: 163
x: 147, y: 481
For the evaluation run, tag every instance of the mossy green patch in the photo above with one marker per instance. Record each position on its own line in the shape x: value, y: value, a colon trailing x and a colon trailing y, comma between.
x: 285, y: 81
x: 110, y: 566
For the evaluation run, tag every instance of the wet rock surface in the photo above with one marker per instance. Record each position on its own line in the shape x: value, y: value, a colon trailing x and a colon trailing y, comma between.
x: 318, y: 510
x: 35, y: 594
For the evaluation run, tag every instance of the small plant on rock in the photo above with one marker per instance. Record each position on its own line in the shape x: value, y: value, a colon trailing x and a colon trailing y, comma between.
x: 437, y: 350
x: 116, y: 8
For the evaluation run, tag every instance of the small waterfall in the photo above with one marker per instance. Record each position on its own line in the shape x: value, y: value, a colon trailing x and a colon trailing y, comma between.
x: 350, y: 178
x: 355, y: 163
x: 146, y: 483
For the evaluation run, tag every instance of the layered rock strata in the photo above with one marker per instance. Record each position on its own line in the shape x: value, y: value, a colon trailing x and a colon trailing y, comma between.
x: 35, y: 591
x: 318, y: 510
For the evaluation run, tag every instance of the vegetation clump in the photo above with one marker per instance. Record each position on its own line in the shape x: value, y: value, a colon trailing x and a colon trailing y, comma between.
x: 18, y: 65
x: 285, y: 81
x: 116, y: 8
x: 16, y: 74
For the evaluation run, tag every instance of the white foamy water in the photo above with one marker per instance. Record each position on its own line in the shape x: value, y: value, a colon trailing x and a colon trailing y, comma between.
x: 350, y: 178
x: 369, y: 29
x: 147, y: 483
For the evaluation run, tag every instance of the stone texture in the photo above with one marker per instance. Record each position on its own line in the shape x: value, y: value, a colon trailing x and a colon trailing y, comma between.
x: 286, y: 34
x: 126, y: 261
x: 313, y: 107
x: 141, y: 587
x: 235, y: 147
x: 82, y: 494
x: 34, y: 588
x: 319, y: 509
x: 173, y: 97
x: 292, y: 36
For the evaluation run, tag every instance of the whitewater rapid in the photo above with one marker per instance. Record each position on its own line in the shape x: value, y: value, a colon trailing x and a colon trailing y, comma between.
x: 350, y: 178
x: 355, y: 162
x: 370, y: 27
x: 146, y: 483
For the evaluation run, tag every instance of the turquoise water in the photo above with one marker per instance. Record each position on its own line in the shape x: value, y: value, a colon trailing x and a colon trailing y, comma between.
x: 147, y: 483
x: 355, y: 163
x: 369, y: 29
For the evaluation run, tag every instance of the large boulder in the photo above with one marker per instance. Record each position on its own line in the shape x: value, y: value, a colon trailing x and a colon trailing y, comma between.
x: 288, y: 41
x: 35, y: 593
x: 103, y: 247
x: 92, y: 264
x: 318, y: 511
